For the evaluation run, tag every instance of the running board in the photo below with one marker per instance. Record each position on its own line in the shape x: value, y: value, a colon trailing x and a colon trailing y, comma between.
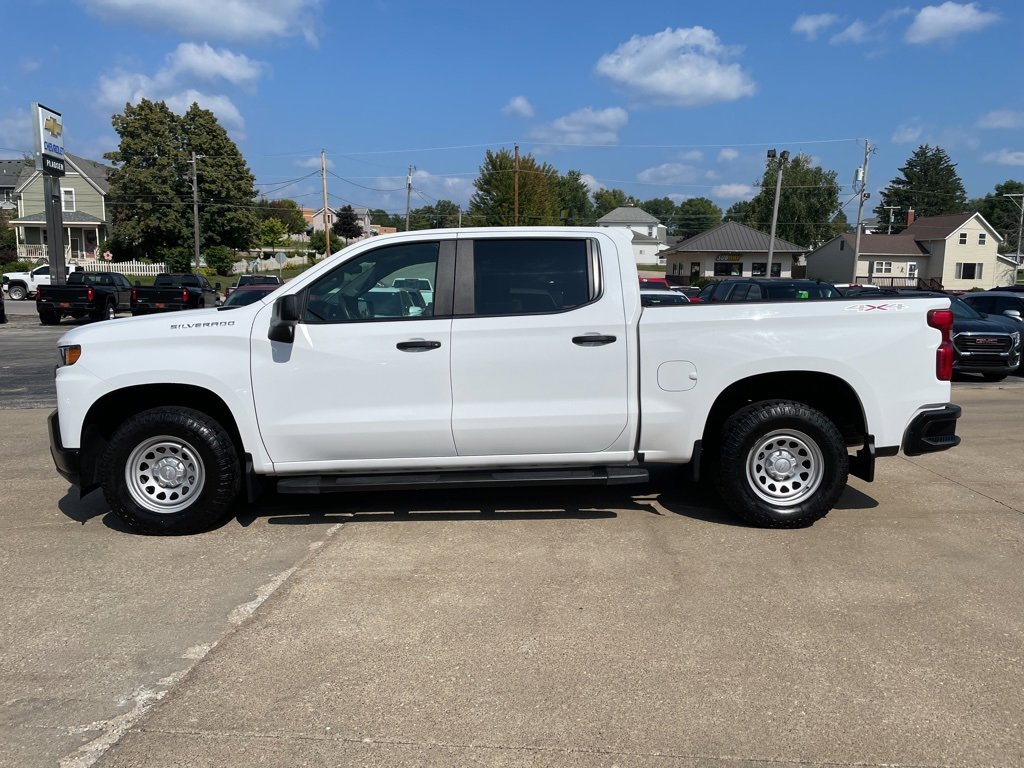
x: 313, y: 484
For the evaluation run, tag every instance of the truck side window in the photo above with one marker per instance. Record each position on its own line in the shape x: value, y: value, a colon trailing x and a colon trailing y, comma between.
x: 517, y: 277
x: 372, y: 287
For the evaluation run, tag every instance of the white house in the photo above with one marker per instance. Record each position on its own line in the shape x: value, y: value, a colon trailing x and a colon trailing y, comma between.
x: 650, y: 236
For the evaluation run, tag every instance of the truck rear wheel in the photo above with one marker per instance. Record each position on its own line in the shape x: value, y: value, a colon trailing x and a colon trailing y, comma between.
x: 17, y: 292
x: 783, y: 464
x: 106, y: 312
x: 171, y: 470
x: 49, y: 317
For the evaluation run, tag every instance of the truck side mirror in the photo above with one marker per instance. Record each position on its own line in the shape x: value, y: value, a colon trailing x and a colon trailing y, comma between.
x: 1014, y: 313
x: 284, y: 318
x: 216, y: 286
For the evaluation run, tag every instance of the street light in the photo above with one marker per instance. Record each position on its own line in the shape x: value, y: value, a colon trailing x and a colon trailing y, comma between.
x: 783, y: 157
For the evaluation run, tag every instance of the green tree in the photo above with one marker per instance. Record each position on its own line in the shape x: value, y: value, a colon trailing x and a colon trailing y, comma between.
x: 807, y: 204
x: 220, y: 259
x: 8, y: 239
x: 696, y: 215
x: 227, y: 190
x: 740, y: 212
x: 151, y: 184
x: 318, y: 242
x: 1002, y: 212
x: 575, y: 207
x: 346, y: 225
x: 607, y: 200
x: 149, y: 205
x: 270, y: 232
x: 381, y: 218
x: 663, y: 209
x: 493, y: 203
x: 928, y: 183
x: 288, y: 212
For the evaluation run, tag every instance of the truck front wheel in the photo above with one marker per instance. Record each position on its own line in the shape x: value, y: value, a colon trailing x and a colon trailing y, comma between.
x: 17, y: 291
x: 171, y: 470
x: 783, y: 464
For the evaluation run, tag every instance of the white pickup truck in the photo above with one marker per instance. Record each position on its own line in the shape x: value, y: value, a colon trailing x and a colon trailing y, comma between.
x: 23, y: 285
x: 534, y: 363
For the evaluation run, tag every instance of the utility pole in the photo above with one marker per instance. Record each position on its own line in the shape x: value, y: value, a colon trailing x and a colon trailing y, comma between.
x: 515, y: 189
x: 1020, y: 226
x: 890, y: 209
x: 327, y: 222
x: 862, y: 195
x: 783, y: 157
x: 408, y: 194
x: 195, y: 210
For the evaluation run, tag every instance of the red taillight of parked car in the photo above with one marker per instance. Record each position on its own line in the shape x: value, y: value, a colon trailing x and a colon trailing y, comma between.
x: 184, y: 295
x: 39, y: 293
x: 90, y: 294
x: 135, y: 296
x: 942, y: 319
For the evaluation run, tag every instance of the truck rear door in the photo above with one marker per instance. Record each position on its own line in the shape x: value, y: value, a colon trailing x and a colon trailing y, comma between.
x: 539, y: 355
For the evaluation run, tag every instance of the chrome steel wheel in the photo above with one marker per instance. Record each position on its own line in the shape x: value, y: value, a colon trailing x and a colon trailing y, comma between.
x: 785, y: 467
x: 164, y: 474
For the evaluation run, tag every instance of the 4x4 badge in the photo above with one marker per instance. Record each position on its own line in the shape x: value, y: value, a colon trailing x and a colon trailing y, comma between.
x: 897, y: 307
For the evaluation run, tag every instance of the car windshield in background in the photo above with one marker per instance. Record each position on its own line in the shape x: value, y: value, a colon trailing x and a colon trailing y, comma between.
x: 242, y: 297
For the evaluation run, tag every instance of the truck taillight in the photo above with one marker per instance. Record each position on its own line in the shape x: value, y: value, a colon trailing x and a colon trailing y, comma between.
x: 942, y: 319
x: 39, y: 293
x: 90, y: 294
x: 184, y: 295
x: 135, y: 295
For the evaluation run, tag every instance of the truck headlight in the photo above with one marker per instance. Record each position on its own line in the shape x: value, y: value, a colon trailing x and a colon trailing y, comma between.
x: 69, y: 355
x: 1016, y: 338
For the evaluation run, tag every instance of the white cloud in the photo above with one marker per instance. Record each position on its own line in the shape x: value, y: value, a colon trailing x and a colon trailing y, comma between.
x: 592, y: 184
x: 692, y: 156
x: 584, y: 126
x: 936, y: 22
x: 207, y: 63
x: 857, y: 32
x: 733, y: 191
x: 313, y: 162
x: 669, y: 173
x: 225, y: 110
x: 224, y: 19
x: 1001, y: 118
x: 810, y: 24
x: 684, y: 67
x: 518, y: 106
x: 727, y: 155
x: 907, y: 134
x: 1005, y: 157
x: 29, y: 65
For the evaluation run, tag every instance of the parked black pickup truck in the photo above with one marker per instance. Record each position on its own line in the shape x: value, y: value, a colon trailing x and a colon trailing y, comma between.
x: 97, y: 294
x: 171, y: 292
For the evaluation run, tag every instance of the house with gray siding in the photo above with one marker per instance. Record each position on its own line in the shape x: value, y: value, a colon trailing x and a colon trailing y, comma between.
x: 650, y: 236
x: 83, y: 195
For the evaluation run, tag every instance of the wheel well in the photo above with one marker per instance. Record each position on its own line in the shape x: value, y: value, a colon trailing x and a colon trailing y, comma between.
x: 829, y: 394
x: 114, y: 408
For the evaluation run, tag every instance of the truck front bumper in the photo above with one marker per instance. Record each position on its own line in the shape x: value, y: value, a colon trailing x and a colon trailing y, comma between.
x: 67, y: 460
x: 932, y: 431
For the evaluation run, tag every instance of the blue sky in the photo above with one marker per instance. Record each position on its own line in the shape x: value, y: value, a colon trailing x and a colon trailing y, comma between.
x: 657, y: 98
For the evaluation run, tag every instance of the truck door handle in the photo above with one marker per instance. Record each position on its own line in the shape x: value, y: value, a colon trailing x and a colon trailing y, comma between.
x: 418, y: 345
x: 592, y: 340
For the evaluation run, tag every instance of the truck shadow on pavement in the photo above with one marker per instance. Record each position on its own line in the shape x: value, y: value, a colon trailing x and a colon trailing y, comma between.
x: 664, y: 495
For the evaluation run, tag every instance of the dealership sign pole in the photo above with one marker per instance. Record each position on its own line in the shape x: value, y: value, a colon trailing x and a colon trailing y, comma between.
x: 49, y: 146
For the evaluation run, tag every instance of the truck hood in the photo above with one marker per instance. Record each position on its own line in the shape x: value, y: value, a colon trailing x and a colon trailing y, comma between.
x: 989, y: 324
x: 166, y: 325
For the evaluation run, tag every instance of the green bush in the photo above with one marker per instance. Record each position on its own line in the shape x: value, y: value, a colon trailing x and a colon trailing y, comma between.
x: 178, y: 259
x: 17, y: 266
x: 220, y: 259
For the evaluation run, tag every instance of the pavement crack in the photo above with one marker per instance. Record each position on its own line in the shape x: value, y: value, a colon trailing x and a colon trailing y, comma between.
x: 964, y: 486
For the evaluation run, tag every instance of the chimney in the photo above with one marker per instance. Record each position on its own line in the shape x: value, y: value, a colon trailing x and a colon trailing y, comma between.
x: 910, y: 216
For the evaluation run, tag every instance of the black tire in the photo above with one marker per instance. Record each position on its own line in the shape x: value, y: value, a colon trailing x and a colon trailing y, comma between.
x: 993, y: 376
x: 809, y: 465
x: 106, y: 312
x: 201, y: 473
x: 49, y: 317
x: 17, y: 291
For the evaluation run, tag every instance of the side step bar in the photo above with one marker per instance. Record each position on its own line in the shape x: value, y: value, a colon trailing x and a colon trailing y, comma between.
x: 313, y: 484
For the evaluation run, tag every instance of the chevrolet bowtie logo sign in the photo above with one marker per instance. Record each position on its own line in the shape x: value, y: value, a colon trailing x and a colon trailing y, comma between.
x: 53, y: 127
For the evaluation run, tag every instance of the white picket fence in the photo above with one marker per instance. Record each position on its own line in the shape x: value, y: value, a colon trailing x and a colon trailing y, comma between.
x: 133, y: 268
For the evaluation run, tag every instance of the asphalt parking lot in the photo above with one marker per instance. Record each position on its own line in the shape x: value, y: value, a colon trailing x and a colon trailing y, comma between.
x: 556, y: 627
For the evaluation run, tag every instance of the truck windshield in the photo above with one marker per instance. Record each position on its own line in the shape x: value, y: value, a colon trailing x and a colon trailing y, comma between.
x: 175, y: 281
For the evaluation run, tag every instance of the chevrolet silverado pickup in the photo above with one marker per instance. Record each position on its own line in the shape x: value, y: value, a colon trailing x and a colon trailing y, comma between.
x: 97, y: 294
x: 535, y: 363
x: 23, y: 285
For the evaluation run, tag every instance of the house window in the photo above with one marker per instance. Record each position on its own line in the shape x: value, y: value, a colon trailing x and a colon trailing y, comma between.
x: 729, y: 269
x: 963, y: 238
x: 981, y: 238
x: 912, y: 269
x: 67, y: 200
x: 968, y: 270
x: 694, y: 269
x: 882, y: 268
